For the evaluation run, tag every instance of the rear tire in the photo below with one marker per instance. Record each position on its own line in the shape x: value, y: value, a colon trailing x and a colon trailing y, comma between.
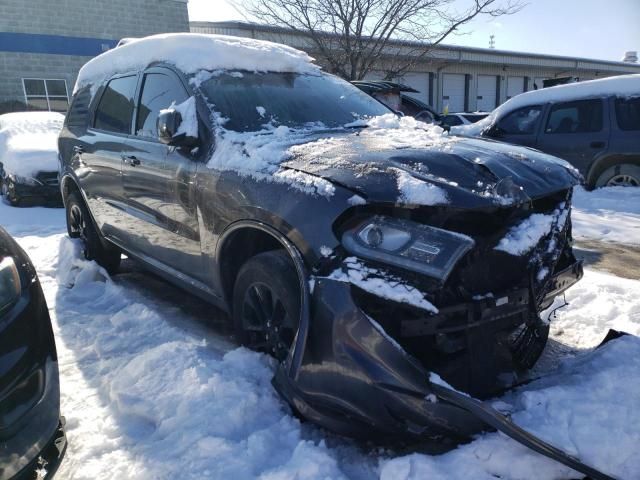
x: 8, y: 190
x: 622, y: 174
x: 266, y: 303
x: 80, y: 225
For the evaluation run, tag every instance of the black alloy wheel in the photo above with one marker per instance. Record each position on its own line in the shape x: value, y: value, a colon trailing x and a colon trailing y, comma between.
x: 266, y: 304
x: 80, y: 225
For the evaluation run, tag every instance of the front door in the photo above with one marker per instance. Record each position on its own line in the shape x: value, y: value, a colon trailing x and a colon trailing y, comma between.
x: 576, y: 132
x: 149, y: 175
x: 520, y: 126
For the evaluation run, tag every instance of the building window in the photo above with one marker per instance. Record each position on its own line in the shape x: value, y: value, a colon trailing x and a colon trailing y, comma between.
x: 44, y: 94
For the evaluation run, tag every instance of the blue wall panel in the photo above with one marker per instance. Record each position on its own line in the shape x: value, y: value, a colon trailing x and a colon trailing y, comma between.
x: 53, y: 44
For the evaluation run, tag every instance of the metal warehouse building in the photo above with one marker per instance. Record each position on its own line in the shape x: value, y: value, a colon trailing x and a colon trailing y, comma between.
x: 43, y: 43
x: 462, y: 78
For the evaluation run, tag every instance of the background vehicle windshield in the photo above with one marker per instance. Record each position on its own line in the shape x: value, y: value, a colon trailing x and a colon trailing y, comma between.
x: 295, y: 100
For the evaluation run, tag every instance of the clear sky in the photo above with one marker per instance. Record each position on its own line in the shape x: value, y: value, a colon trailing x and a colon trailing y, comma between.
x: 602, y: 29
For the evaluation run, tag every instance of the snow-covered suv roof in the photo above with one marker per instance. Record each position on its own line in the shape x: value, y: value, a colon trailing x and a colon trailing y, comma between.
x: 621, y: 86
x: 193, y: 52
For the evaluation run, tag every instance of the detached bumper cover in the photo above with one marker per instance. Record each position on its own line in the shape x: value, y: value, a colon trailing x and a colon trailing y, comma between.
x: 357, y: 380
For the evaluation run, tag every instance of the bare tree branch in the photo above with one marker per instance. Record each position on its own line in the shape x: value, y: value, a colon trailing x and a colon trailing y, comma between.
x: 354, y: 37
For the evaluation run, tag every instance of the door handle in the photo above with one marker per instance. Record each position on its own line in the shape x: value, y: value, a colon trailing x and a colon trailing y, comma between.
x: 597, y: 144
x: 131, y: 160
x: 78, y: 149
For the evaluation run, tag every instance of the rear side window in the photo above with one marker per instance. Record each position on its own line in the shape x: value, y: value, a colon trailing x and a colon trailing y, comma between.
x: 628, y: 113
x: 581, y: 116
x: 116, y: 105
x: 79, y: 110
x: 523, y: 121
x: 159, y: 91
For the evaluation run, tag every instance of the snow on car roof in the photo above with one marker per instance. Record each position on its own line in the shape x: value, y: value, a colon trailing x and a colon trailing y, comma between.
x: 621, y: 86
x: 30, y: 122
x: 193, y: 52
x: 28, y: 142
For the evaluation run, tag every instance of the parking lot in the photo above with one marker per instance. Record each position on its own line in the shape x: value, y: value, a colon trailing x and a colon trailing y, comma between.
x: 153, y: 383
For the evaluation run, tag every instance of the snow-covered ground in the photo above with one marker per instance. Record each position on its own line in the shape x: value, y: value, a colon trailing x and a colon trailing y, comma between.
x: 610, y: 214
x: 150, y: 390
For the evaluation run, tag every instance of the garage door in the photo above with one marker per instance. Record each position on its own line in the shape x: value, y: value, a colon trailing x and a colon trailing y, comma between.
x: 419, y: 81
x: 486, y: 93
x: 453, y: 92
x: 515, y: 86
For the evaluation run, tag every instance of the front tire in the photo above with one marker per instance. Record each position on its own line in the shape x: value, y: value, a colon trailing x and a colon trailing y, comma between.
x: 621, y: 175
x: 80, y: 225
x: 8, y: 190
x: 266, y: 304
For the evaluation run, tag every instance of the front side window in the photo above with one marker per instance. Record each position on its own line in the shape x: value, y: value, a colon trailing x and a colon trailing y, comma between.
x: 116, y: 105
x: 523, y: 121
x: 628, y: 113
x: 580, y: 116
x: 159, y: 91
x: 42, y: 94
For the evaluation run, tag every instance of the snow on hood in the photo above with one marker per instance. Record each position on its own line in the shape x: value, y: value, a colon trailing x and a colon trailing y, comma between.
x: 194, y: 52
x: 28, y: 142
x: 621, y: 86
x: 426, y: 166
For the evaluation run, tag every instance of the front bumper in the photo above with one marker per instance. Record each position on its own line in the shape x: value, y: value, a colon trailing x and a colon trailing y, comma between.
x: 43, y: 193
x: 357, y: 380
x: 49, y: 458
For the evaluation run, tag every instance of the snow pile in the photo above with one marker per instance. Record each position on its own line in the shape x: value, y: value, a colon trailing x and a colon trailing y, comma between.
x: 193, y: 52
x: 376, y: 282
x: 609, y: 214
x: 144, y: 398
x: 620, y: 86
x: 525, y: 235
x: 151, y: 392
x: 29, y: 142
x: 414, y: 191
x: 587, y: 408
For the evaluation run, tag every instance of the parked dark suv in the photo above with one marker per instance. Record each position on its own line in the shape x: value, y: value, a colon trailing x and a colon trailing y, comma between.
x: 373, y: 256
x: 593, y: 125
x: 32, y: 437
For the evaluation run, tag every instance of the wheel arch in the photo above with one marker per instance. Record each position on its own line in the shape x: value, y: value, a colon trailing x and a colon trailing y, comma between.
x: 257, y: 237
x: 603, y: 163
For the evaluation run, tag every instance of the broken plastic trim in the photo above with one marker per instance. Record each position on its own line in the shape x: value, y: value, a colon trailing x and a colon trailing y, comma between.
x: 495, y: 419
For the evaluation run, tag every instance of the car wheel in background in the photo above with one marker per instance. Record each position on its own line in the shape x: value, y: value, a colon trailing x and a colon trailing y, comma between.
x: 266, y: 303
x: 80, y: 225
x: 9, y: 193
x: 621, y: 175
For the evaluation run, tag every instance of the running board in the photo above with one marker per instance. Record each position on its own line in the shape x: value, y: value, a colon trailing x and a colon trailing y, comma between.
x: 500, y: 422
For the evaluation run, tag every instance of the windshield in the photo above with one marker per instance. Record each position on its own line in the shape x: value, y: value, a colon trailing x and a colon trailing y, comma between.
x: 250, y: 100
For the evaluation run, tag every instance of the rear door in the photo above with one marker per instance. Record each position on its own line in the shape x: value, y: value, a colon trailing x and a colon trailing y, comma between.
x: 577, y: 131
x: 100, y: 151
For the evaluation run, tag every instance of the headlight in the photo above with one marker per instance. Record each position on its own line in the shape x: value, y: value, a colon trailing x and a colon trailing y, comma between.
x: 420, y: 248
x: 10, y: 289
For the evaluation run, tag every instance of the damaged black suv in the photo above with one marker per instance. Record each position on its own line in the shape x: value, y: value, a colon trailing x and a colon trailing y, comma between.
x: 385, y: 264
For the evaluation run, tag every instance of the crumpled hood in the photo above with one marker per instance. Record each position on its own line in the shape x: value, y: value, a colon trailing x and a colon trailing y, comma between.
x: 384, y: 165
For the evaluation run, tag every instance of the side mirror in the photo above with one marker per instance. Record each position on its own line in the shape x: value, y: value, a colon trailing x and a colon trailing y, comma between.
x: 168, y: 125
